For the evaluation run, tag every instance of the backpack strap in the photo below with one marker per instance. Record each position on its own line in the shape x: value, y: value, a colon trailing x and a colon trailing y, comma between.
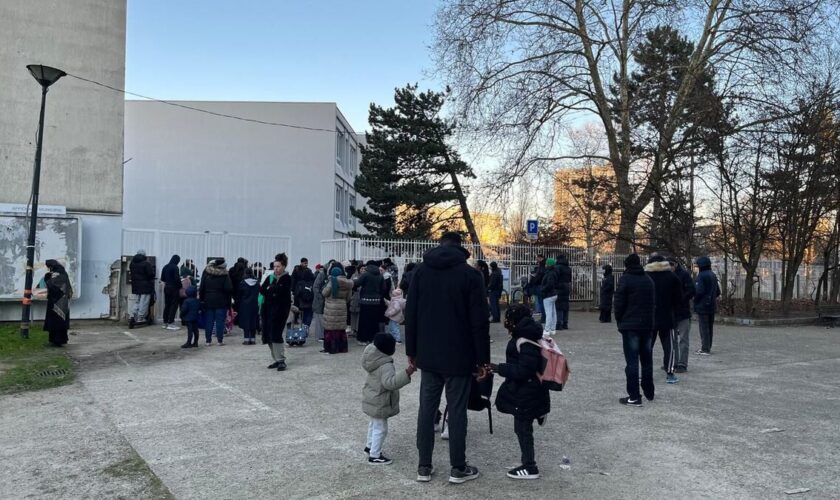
x: 521, y: 341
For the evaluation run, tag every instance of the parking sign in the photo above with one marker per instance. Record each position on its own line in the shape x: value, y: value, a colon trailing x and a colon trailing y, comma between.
x: 532, y: 229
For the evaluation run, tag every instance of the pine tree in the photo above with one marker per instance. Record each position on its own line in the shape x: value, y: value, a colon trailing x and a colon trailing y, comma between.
x: 408, y: 170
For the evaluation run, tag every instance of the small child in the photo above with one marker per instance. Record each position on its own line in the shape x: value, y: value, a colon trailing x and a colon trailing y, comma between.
x: 381, y: 393
x: 522, y: 394
x: 395, y: 313
x: 189, y: 317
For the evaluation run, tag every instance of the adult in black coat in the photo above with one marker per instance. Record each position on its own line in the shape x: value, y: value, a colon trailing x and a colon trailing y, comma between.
x: 522, y: 394
x: 215, y: 293
x: 249, y: 291
x: 564, y: 291
x: 606, y: 297
x: 142, y: 287
x: 171, y: 279
x: 237, y: 274
x: 371, y: 286
x: 276, y: 290
x: 408, y: 273
x: 635, y: 305
x: 494, y: 290
x: 682, y: 317
x: 447, y: 337
x: 668, y: 299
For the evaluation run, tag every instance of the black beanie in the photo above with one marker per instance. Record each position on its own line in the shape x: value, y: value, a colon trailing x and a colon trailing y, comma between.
x: 632, y: 260
x: 385, y: 343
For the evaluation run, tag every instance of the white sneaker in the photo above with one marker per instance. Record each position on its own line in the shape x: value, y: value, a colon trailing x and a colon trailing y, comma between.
x: 165, y: 327
x: 173, y: 327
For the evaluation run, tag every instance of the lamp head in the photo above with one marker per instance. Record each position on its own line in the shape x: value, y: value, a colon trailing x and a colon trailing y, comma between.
x: 45, y: 75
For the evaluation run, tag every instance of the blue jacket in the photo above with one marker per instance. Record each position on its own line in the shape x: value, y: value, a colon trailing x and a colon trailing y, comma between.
x: 706, y: 287
x: 190, y: 307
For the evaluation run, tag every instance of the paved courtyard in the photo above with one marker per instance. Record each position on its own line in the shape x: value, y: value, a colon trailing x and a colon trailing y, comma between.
x: 146, y: 419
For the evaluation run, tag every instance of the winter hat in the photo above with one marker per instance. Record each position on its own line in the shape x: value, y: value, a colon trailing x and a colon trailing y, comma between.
x: 550, y: 262
x: 385, y: 343
x: 656, y: 258
x: 141, y: 252
x: 632, y: 260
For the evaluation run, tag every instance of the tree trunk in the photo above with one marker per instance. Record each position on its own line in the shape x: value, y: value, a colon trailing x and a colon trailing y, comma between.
x: 626, y: 241
x: 748, y: 292
x: 465, y: 210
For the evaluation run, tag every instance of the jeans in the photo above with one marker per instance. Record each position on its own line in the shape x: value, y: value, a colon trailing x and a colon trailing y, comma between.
x: 141, y: 307
x: 394, y: 330
x: 551, y: 314
x: 638, y: 347
x: 192, y: 332
x: 606, y: 316
x: 681, y: 348
x: 305, y: 316
x: 171, y: 298
x: 707, y: 331
x: 495, y: 296
x: 540, y: 306
x: 524, y: 429
x: 377, y: 431
x: 457, y: 395
x: 669, y: 342
x: 562, y: 319
x: 215, y: 324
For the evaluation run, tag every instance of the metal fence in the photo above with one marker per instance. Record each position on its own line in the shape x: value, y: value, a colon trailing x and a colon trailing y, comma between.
x: 768, y: 284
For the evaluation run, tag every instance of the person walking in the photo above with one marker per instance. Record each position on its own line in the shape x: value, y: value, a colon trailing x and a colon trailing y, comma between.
x: 635, y: 303
x: 142, y: 287
x: 59, y: 293
x: 535, y: 285
x: 371, y: 286
x: 548, y: 290
x: 564, y: 291
x: 447, y: 337
x: 605, y: 301
x: 336, y: 293
x: 249, y: 291
x: 707, y: 290
x: 276, y: 291
x: 494, y: 289
x: 668, y: 298
x: 215, y: 293
x: 171, y: 280
x: 682, y: 317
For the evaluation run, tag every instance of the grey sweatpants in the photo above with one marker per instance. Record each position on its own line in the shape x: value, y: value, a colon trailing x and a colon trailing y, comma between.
x: 278, y: 351
x: 140, y: 309
x: 681, y: 349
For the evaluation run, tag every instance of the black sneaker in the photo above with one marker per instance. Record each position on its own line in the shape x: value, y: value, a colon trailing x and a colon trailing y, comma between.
x: 424, y: 473
x: 631, y: 402
x: 380, y: 460
x: 186, y: 346
x: 680, y: 369
x: 462, y: 475
x: 524, y: 472
x: 649, y: 398
x: 130, y: 323
x: 281, y: 366
x: 273, y: 365
x: 367, y: 450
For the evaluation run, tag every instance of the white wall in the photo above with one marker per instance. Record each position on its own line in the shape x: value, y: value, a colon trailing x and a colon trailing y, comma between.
x: 190, y: 171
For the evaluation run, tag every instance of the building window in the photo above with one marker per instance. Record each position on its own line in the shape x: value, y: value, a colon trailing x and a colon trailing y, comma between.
x: 338, y: 202
x: 339, y: 141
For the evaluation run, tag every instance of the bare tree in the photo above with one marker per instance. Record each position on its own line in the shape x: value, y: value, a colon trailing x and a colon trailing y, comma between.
x: 522, y: 69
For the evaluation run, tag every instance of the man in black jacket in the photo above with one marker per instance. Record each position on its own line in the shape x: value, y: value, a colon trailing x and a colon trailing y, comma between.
x: 668, y: 299
x: 494, y: 290
x: 635, y: 303
x: 682, y: 316
x: 447, y: 337
x: 142, y: 287
x: 171, y: 279
x: 535, y: 285
x: 564, y: 291
x: 606, y: 297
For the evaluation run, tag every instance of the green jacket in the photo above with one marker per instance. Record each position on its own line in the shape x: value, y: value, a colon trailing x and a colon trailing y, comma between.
x: 381, y: 393
x: 260, y: 299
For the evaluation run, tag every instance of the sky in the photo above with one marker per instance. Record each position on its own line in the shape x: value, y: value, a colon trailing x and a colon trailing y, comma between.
x: 349, y: 52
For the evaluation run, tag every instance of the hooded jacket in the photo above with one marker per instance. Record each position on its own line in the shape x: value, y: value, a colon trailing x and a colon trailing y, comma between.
x: 548, y: 286
x: 248, y: 314
x: 497, y: 280
x: 396, y: 306
x: 635, y: 301
x: 190, y: 307
x: 170, y: 275
x: 216, y: 288
x: 522, y: 394
x: 371, y: 286
x: 707, y: 288
x: 381, y: 393
x: 317, y: 287
x: 668, y: 294
x: 564, y: 282
x: 607, y: 289
x: 683, y: 311
x: 142, y: 275
x: 446, y: 317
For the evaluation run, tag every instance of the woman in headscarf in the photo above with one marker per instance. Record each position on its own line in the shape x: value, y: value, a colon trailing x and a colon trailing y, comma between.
x: 336, y: 293
x: 59, y: 293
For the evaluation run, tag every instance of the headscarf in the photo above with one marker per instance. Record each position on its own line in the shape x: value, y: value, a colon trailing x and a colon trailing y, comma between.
x: 334, y: 274
x: 59, y: 281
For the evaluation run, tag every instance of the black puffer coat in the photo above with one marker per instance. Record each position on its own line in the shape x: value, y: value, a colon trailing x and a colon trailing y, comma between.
x: 668, y: 294
x: 564, y: 283
x: 635, y: 300
x: 371, y: 286
x: 548, y: 286
x: 142, y: 275
x: 607, y: 289
x: 522, y: 394
x: 216, y: 289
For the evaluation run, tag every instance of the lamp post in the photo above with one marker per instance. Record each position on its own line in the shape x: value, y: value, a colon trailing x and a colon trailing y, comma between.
x: 45, y: 76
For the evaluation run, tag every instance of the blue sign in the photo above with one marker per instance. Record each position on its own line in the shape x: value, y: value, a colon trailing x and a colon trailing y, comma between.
x: 533, y: 228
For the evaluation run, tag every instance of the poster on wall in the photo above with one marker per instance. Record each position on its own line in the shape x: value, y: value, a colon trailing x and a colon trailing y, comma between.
x: 58, y: 238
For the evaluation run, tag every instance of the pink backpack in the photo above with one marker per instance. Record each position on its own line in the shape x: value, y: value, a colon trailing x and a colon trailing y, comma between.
x: 556, y: 370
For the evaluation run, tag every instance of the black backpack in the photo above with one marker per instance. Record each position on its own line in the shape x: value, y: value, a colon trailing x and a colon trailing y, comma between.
x: 305, y: 294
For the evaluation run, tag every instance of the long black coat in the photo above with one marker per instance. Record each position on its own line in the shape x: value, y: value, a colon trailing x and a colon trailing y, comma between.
x: 635, y: 301
x: 522, y: 394
x: 248, y: 314
x: 446, y: 317
x: 142, y: 275
x: 607, y: 290
x: 668, y: 294
x: 564, y: 284
x: 277, y: 296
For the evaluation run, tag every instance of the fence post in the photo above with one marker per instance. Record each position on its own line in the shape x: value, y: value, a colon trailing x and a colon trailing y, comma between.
x: 775, y: 284
x: 594, y: 283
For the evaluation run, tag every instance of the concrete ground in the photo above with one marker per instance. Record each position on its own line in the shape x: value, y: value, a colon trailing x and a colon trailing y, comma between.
x: 214, y: 423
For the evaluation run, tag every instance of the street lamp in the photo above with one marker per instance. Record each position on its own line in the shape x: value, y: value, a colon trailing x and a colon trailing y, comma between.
x: 45, y: 76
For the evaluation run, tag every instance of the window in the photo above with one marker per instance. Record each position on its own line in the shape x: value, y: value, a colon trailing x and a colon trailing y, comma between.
x: 352, y: 220
x: 339, y: 141
x: 351, y: 166
x: 338, y: 202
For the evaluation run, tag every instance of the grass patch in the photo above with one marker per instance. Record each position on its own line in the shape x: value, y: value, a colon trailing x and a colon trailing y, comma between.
x: 136, y: 471
x: 31, y: 365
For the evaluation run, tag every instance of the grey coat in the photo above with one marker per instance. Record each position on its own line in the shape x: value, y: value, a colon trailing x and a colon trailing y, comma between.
x: 318, y: 301
x: 381, y: 393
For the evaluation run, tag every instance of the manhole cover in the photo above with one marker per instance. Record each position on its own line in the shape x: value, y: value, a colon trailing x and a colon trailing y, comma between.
x: 60, y: 372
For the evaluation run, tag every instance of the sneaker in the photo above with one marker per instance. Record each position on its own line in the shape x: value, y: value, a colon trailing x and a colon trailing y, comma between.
x: 445, y: 434
x: 221, y: 343
x: 165, y: 327
x: 680, y: 369
x: 173, y: 328
x: 467, y: 473
x: 649, y: 398
x: 361, y: 343
x: 671, y: 379
x: 208, y: 344
x: 701, y: 352
x: 186, y: 346
x: 321, y: 340
x: 541, y: 420
x: 131, y: 323
x: 524, y: 472
x: 367, y: 450
x: 631, y: 402
x: 380, y: 460
x: 274, y: 365
x: 424, y: 473
x: 281, y: 366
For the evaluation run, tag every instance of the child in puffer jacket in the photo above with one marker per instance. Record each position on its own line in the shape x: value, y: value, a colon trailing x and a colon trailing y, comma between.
x: 189, y: 317
x: 522, y: 394
x: 381, y: 393
x: 395, y: 313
